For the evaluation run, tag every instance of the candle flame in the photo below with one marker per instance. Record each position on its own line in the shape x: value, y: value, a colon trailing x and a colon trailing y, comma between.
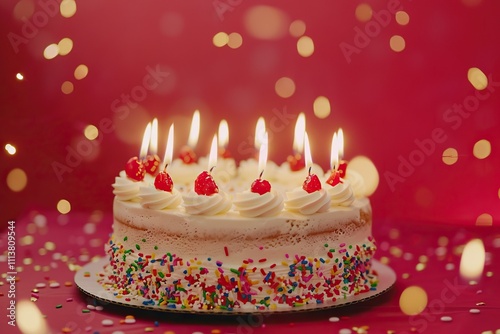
x: 146, y: 138
x: 307, y: 151
x: 223, y: 134
x: 212, y: 160
x: 153, y: 143
x: 334, y: 155
x: 169, y: 150
x: 194, y: 132
x: 260, y: 129
x: 341, y: 143
x: 300, y: 129
x: 263, y: 153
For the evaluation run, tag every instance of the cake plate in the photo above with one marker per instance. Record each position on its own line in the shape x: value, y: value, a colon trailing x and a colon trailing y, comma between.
x: 87, y: 281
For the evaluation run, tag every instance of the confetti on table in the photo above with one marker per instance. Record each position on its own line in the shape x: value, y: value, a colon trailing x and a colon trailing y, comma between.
x: 91, y: 307
x: 149, y: 329
x: 41, y: 285
x: 69, y: 299
x: 107, y: 322
x: 99, y: 308
x: 334, y: 319
x: 345, y: 331
x: 474, y: 311
x: 68, y: 284
x: 446, y: 318
x: 54, y: 285
x: 480, y: 304
x: 85, y: 310
x: 66, y: 330
x: 58, y: 305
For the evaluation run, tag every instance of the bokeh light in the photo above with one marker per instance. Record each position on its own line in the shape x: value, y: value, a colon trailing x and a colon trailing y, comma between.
x: 19, y: 76
x: 67, y: 8
x: 24, y: 9
x: 321, y: 107
x: 297, y: 28
x: 484, y: 219
x: 305, y: 46
x: 234, y: 40
x: 51, y: 51
x: 65, y: 46
x: 17, y: 180
x: 366, y: 168
x: 397, y: 43
x: 266, y: 22
x: 11, y: 149
x: 472, y: 260
x: 91, y: 132
x: 482, y: 149
x: 220, y: 39
x: 63, y: 206
x: 363, y: 12
x: 413, y: 300
x: 402, y: 17
x: 81, y: 71
x: 284, y: 87
x: 477, y: 78
x: 450, y: 156
x: 29, y: 318
x: 67, y: 87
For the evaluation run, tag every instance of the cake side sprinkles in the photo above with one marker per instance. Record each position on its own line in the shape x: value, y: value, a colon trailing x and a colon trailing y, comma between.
x: 170, y: 281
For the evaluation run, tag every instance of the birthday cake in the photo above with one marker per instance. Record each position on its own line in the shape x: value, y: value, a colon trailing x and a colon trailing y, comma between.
x: 237, y: 245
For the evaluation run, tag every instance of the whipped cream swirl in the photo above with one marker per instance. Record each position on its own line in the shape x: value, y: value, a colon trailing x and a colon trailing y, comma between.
x: 340, y: 194
x: 206, y: 205
x: 152, y: 198
x: 124, y: 188
x: 299, y: 200
x: 251, y: 204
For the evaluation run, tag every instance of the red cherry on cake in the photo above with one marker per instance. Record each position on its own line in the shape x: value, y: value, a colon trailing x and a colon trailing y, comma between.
x: 164, y: 182
x: 152, y: 164
x: 334, y: 179
x: 205, y: 184
x: 260, y: 187
x: 134, y: 169
x: 312, y: 183
x: 296, y: 162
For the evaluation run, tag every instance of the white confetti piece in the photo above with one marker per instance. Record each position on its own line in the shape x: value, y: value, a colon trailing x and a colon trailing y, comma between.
x: 107, y: 322
x: 345, y: 331
x: 449, y: 266
x: 91, y: 307
x: 130, y: 321
x: 334, y: 319
x: 54, y: 285
x: 474, y: 311
x: 99, y: 308
x: 41, y: 285
x: 446, y: 318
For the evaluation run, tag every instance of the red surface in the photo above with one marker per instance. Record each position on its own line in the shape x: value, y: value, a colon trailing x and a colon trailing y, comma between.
x: 59, y: 241
x: 386, y: 102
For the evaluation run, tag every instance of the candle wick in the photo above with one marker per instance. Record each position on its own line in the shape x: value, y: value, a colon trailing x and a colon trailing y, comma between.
x: 165, y: 168
x: 260, y: 175
x: 310, y: 170
x: 211, y: 169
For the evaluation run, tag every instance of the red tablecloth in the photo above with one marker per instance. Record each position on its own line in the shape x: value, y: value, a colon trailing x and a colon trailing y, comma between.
x: 50, y: 247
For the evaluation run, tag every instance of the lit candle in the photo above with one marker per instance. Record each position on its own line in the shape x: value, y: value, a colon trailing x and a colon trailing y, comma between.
x: 152, y: 160
x: 296, y: 161
x: 261, y: 186
x: 312, y: 182
x: 224, y: 139
x: 342, y: 167
x: 260, y: 130
x: 163, y: 181
x: 134, y: 168
x: 204, y: 183
x: 187, y: 154
x: 334, y: 177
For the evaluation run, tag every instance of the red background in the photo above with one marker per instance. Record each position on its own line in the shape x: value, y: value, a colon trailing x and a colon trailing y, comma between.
x: 383, y: 100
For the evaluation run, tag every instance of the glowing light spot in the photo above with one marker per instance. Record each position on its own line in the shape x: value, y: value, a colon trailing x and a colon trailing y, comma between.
x: 29, y: 318
x: 284, y: 87
x: 363, y: 12
x: 472, y: 260
x: 220, y: 39
x: 63, y: 206
x: 91, y: 132
x: 477, y: 78
x: 484, y: 219
x: 50, y: 246
x: 81, y: 72
x: 65, y: 46
x: 397, y: 43
x: 402, y: 18
x: 305, y: 46
x: 51, y: 51
x: 234, y: 40
x: 482, y: 149
x: 266, y: 22
x: 413, y: 300
x: 450, y: 156
x: 19, y: 76
x: 321, y: 107
x: 67, y: 8
x: 297, y: 28
x: 24, y: 9
x: 17, y: 179
x: 366, y: 168
x: 67, y: 87
x: 11, y: 149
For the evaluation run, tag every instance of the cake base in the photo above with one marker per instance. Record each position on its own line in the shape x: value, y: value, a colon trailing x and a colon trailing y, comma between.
x: 88, y: 276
